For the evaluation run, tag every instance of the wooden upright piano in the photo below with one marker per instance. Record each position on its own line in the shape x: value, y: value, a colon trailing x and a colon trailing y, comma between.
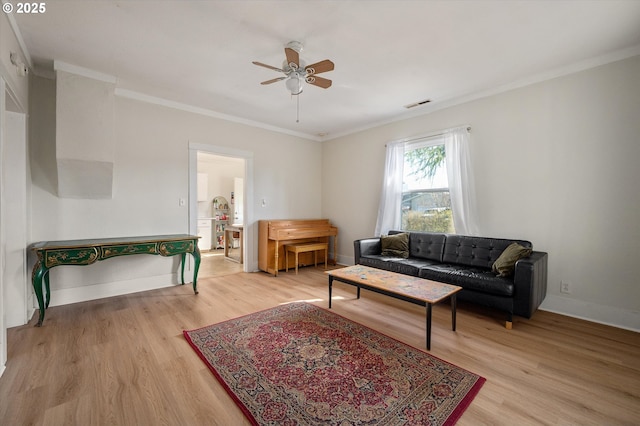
x: 274, y: 234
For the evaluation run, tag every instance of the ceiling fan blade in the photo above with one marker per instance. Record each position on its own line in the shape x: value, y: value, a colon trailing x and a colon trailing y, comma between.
x: 318, y: 67
x: 260, y: 64
x: 292, y: 56
x: 319, y: 81
x: 273, y: 80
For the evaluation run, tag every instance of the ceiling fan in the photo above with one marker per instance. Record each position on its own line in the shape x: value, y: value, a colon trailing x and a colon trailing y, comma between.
x: 296, y: 72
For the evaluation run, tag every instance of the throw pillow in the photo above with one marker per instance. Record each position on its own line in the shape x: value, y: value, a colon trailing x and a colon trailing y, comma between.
x: 506, y: 262
x: 396, y: 245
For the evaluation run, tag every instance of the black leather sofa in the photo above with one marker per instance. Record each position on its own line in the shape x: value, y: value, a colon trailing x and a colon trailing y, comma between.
x: 466, y: 261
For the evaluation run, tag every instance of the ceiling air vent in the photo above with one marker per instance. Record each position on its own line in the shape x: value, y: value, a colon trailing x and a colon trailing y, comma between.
x: 426, y: 101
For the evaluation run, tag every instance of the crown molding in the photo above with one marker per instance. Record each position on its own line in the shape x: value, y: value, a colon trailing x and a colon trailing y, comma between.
x: 130, y: 94
x: 84, y: 72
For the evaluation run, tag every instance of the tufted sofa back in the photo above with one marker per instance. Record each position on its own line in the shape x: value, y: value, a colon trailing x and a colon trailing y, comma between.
x: 476, y: 251
x: 458, y: 249
x: 426, y: 246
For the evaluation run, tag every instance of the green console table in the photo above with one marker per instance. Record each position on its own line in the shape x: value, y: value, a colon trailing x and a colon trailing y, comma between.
x: 85, y: 252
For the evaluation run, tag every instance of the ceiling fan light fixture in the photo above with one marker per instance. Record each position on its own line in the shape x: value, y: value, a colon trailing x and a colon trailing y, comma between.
x: 294, y: 84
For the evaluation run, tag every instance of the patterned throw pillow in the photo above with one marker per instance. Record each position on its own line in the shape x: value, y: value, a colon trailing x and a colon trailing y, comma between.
x: 506, y: 262
x: 396, y: 245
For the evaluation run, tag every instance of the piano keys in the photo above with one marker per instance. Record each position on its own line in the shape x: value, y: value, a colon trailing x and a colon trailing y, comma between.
x: 274, y: 234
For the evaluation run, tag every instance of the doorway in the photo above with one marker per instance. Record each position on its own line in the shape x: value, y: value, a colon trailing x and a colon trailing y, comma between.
x: 220, y: 191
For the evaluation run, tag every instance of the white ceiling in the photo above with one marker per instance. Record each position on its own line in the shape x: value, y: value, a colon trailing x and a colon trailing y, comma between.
x: 387, y: 54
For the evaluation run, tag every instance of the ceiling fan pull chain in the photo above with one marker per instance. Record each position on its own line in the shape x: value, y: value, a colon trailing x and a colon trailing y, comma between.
x: 298, y: 108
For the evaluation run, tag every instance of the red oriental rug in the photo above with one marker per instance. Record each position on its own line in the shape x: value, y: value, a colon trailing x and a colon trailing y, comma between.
x: 298, y: 364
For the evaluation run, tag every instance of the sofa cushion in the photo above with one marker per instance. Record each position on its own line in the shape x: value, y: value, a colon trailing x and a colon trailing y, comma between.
x: 408, y: 266
x: 469, y: 278
x: 396, y: 245
x: 476, y: 251
x: 506, y: 262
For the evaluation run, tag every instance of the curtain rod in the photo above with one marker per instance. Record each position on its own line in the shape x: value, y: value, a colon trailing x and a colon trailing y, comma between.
x: 428, y: 136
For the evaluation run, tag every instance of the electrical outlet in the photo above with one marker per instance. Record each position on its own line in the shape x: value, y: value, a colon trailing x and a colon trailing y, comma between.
x: 565, y: 287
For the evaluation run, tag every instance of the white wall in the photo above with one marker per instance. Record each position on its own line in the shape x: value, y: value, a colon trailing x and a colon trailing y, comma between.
x: 554, y: 163
x: 151, y: 174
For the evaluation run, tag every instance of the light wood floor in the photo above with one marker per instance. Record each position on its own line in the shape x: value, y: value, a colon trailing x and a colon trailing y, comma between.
x: 124, y: 360
x: 214, y: 264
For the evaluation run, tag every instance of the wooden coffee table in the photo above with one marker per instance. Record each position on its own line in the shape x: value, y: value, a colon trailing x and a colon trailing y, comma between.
x: 404, y: 287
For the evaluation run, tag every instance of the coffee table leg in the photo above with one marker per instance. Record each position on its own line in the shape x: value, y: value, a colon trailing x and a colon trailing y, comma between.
x: 358, y: 292
x: 453, y: 312
x: 428, y: 326
x: 330, y: 285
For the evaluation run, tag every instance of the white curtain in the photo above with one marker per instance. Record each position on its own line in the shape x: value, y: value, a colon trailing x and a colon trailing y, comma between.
x: 389, y: 213
x: 461, y: 184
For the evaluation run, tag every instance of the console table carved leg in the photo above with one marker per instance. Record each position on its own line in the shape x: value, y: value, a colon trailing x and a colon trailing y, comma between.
x: 40, y: 271
x: 196, y: 258
x: 47, y: 289
x: 183, y: 258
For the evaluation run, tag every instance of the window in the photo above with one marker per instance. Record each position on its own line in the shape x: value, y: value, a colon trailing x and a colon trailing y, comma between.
x: 426, y: 202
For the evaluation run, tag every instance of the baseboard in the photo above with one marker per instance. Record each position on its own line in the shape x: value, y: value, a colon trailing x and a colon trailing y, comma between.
x: 66, y: 296
x: 608, y: 315
x: 345, y: 260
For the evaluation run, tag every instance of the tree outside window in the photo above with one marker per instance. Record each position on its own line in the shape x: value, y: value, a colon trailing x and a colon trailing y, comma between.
x: 426, y: 204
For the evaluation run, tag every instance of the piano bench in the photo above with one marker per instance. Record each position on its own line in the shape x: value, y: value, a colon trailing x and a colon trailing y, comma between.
x: 305, y: 247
